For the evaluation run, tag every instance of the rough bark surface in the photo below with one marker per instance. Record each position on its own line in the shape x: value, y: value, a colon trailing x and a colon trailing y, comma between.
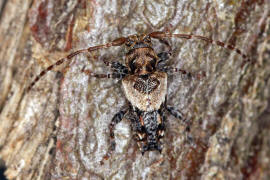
x: 59, y: 130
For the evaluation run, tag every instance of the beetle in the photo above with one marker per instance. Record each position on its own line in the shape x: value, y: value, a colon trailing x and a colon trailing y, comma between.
x: 144, y: 82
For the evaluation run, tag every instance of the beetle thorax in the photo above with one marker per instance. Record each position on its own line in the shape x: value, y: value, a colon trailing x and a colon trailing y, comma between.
x: 141, y: 61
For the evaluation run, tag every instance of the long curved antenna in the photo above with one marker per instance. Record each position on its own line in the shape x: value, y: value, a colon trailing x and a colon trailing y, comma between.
x: 117, y: 42
x: 160, y: 35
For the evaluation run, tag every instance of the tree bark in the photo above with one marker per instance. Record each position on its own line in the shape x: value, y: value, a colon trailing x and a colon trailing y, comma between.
x: 60, y: 128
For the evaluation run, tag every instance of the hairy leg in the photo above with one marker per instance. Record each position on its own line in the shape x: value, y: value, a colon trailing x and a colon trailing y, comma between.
x: 117, y: 68
x: 115, y: 120
x: 177, y: 114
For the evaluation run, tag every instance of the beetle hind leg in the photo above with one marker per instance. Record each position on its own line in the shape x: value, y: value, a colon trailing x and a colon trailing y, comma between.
x: 177, y: 114
x: 115, y: 120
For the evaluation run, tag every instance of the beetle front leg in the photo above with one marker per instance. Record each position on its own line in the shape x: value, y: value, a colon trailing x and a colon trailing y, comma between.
x: 163, y: 59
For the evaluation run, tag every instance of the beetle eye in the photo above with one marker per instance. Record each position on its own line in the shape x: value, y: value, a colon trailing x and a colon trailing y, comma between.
x: 129, y: 42
x: 147, y: 39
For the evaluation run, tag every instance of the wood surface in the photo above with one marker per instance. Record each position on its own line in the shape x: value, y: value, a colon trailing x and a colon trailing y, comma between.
x: 59, y: 130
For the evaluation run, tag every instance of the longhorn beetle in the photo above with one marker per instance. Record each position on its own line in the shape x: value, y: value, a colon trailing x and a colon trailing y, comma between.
x: 144, y: 82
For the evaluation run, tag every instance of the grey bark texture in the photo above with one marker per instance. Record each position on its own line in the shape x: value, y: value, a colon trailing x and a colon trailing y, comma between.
x: 59, y: 130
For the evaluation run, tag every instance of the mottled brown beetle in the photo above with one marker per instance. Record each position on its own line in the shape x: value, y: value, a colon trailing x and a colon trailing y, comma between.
x: 144, y: 81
